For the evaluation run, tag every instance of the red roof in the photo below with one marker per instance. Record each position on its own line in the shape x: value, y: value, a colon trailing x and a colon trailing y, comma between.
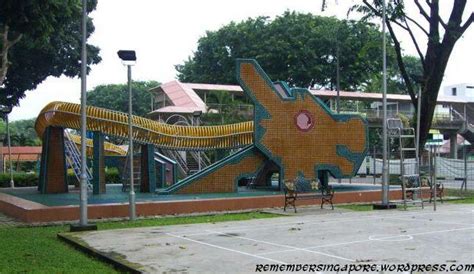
x: 22, y: 154
x: 182, y: 96
x: 21, y: 150
x: 348, y: 95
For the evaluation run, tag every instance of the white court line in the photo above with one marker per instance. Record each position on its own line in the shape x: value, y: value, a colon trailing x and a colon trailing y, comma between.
x: 371, y: 240
x: 304, y: 222
x: 262, y: 227
x: 321, y: 221
x: 286, y: 246
x: 227, y: 249
x: 426, y: 220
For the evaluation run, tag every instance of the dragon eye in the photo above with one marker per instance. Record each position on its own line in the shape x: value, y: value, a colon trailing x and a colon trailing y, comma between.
x: 304, y: 120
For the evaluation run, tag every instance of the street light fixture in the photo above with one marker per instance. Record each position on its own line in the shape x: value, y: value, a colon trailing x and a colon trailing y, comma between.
x: 129, y: 59
x: 5, y: 110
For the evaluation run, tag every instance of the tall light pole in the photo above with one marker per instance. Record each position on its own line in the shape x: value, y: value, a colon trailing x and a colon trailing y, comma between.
x: 83, y: 183
x: 385, y: 183
x: 12, y: 183
x: 385, y: 204
x: 83, y: 220
x: 5, y: 111
x: 129, y: 59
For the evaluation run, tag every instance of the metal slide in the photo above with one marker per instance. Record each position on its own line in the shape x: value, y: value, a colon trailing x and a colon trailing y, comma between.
x: 67, y: 115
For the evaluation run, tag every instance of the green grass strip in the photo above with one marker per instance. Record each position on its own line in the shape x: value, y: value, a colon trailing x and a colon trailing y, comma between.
x: 356, y: 207
x: 38, y: 250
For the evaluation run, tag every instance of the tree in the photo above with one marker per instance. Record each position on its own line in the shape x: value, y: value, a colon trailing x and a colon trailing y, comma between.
x: 395, y: 82
x: 40, y: 39
x: 22, y: 133
x: 440, y: 36
x: 115, y: 97
x: 300, y: 49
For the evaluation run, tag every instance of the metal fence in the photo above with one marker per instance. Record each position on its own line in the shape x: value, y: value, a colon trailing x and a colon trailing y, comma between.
x: 452, y: 173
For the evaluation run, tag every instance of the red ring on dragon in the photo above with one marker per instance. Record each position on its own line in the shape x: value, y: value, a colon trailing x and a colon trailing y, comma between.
x: 304, y: 120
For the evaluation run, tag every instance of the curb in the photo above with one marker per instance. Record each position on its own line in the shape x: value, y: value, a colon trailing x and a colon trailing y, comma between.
x: 120, y: 266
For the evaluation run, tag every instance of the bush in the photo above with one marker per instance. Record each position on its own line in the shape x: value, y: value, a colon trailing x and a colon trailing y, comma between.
x: 112, y: 176
x: 21, y: 179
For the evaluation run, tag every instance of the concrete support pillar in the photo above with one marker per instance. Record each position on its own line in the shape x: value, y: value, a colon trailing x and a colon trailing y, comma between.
x: 98, y: 164
x: 453, y: 144
x: 148, y: 169
x: 53, y: 169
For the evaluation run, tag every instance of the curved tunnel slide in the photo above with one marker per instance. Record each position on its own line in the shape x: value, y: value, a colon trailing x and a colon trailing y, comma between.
x: 109, y: 122
x: 61, y: 115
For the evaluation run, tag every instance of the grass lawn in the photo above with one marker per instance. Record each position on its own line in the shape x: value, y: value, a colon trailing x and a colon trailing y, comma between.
x: 357, y: 207
x: 467, y: 197
x: 37, y: 249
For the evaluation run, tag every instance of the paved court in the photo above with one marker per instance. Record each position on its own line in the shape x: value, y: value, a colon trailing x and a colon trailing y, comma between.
x: 328, y: 237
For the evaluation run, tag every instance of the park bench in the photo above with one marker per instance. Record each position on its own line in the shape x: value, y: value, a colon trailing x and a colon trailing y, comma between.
x: 302, y: 189
x: 425, y: 183
x: 439, y: 191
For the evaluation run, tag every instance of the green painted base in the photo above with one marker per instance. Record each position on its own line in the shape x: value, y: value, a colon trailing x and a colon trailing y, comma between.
x: 382, y: 206
x: 79, y: 228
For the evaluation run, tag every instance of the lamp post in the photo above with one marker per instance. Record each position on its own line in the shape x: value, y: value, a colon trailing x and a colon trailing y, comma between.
x: 129, y: 59
x: 5, y: 111
x: 83, y: 219
x: 196, y: 115
x: 385, y: 177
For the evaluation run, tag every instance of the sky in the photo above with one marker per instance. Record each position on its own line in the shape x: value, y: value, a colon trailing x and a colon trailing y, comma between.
x: 165, y: 33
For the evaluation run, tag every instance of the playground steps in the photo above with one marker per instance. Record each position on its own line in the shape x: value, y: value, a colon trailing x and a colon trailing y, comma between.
x: 73, y: 157
x: 193, y: 158
x: 178, y: 158
x: 136, y: 174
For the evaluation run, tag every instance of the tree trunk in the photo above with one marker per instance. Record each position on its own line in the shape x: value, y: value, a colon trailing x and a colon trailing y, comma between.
x: 436, y: 63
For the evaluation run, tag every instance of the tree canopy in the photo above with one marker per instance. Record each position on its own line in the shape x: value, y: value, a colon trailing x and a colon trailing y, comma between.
x: 40, y: 39
x: 438, y: 33
x: 22, y: 133
x: 115, y: 97
x: 301, y: 49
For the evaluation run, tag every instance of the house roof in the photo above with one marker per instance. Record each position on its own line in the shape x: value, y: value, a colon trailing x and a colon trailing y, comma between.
x: 174, y: 109
x: 21, y: 153
x: 327, y: 94
x: 181, y: 96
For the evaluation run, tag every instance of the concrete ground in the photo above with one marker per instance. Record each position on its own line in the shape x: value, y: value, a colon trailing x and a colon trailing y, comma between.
x: 312, y: 236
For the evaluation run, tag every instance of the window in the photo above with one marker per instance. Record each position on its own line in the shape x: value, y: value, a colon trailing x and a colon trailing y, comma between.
x: 454, y: 91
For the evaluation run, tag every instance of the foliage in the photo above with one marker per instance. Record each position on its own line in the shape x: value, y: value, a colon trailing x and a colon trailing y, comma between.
x: 115, y: 97
x: 395, y: 82
x: 22, y: 133
x: 300, y: 49
x: 466, y: 196
x: 112, y: 176
x: 37, y: 249
x: 440, y: 34
x: 20, y: 179
x: 40, y: 39
x: 224, y: 110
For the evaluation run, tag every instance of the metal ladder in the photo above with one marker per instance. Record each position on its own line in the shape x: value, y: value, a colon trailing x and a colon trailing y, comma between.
x: 126, y: 173
x: 409, y: 169
x: 73, y: 157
